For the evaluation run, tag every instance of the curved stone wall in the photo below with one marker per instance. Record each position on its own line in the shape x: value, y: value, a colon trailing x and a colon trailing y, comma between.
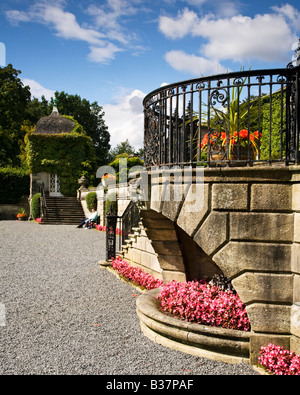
x: 248, y: 224
x: 211, y: 342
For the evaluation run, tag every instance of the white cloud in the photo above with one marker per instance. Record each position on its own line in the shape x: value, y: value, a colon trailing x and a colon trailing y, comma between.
x: 15, y: 16
x: 37, y: 90
x: 125, y: 119
x: 103, y: 54
x: 180, y: 26
x: 266, y: 37
x: 193, y: 64
x: 67, y: 27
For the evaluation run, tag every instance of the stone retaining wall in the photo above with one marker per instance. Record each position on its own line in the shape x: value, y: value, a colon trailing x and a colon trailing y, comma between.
x: 231, y: 346
x: 249, y: 225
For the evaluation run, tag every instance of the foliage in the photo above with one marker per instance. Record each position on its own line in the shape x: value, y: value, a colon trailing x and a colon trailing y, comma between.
x: 131, y: 162
x: 19, y: 115
x: 70, y: 155
x: 14, y: 97
x: 35, y: 206
x: 91, y: 201
x: 123, y: 148
x: 244, y: 139
x: 203, y: 303
x: 91, y: 117
x: 14, y: 184
x: 279, y: 361
x: 276, y: 149
x: 135, y: 274
x: 22, y: 213
x: 111, y: 204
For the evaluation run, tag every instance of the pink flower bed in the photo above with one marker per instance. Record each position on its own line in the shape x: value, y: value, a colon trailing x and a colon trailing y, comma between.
x: 202, y: 303
x: 135, y: 274
x: 102, y: 228
x: 279, y: 361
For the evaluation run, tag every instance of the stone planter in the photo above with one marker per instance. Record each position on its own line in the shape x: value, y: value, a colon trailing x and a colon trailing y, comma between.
x: 242, y: 154
x: 227, y: 345
x: 108, y: 182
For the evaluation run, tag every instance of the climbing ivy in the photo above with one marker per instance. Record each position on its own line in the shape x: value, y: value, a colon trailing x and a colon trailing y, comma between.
x: 70, y: 155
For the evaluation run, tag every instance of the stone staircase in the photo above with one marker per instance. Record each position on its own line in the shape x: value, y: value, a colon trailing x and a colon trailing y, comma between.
x: 63, y: 210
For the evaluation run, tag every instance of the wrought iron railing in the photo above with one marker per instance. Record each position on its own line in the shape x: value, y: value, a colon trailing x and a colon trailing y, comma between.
x: 43, y: 201
x: 238, y: 118
x: 118, y: 229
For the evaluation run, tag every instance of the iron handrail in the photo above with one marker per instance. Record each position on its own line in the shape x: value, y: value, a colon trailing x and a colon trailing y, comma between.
x: 43, y: 201
x: 122, y: 225
x: 179, y: 116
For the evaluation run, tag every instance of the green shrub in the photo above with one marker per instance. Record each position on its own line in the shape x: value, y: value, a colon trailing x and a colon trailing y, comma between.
x: 91, y: 201
x: 35, y: 206
x: 70, y: 155
x: 14, y: 184
x: 131, y: 162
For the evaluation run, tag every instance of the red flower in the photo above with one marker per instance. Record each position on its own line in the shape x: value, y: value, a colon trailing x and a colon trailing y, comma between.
x: 243, y: 134
x: 257, y: 134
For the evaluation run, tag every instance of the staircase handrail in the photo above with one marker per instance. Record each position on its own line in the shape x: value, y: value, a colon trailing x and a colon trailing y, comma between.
x: 112, y: 222
x: 43, y: 201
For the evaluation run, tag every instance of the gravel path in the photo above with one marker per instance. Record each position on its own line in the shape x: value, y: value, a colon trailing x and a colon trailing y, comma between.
x: 66, y: 315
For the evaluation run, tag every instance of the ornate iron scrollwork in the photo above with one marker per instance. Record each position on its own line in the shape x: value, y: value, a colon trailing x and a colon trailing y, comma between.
x: 151, y: 140
x: 111, y: 231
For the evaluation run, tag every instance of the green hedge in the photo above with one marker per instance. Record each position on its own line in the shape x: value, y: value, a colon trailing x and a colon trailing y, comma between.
x: 14, y: 184
x: 91, y: 201
x: 35, y: 206
x: 70, y: 155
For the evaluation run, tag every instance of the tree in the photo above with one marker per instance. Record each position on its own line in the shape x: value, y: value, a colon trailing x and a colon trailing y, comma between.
x: 14, y: 98
x: 90, y: 116
x: 123, y: 148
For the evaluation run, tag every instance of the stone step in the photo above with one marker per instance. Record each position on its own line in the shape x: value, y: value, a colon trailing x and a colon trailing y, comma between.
x: 63, y: 210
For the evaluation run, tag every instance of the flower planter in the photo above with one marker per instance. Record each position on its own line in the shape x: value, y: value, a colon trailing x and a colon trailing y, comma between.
x: 108, y: 182
x: 216, y: 343
x: 22, y: 218
x: 242, y: 155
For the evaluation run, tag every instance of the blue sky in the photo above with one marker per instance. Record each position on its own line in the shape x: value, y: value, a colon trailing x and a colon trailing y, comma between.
x: 117, y: 51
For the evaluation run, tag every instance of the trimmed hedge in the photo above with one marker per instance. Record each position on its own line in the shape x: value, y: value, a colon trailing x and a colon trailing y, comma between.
x: 14, y: 184
x: 91, y: 201
x: 35, y: 206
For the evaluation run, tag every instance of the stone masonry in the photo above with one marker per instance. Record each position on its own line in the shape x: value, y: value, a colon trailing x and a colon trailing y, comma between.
x: 248, y: 227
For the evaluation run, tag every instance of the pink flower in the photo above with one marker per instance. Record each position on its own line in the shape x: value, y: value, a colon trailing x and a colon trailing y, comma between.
x: 137, y: 275
x: 200, y: 302
x: 279, y: 361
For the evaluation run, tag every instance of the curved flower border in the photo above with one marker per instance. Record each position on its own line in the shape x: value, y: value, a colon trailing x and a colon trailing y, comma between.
x: 135, y: 274
x: 204, y: 303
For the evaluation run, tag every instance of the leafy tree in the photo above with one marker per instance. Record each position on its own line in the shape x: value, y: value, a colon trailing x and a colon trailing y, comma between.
x: 131, y: 162
x: 123, y: 148
x: 90, y: 116
x: 14, y: 98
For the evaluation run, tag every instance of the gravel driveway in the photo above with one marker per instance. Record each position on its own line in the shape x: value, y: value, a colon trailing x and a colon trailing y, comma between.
x: 66, y: 315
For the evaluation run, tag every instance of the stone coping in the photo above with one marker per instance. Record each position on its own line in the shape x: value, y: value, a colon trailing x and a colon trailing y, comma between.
x: 215, y: 343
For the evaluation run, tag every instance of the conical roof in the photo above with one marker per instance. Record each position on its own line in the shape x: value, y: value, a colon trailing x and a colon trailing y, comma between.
x: 54, y: 124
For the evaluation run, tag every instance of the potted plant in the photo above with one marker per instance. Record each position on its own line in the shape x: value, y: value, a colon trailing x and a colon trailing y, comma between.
x: 241, y: 144
x: 22, y: 215
x: 108, y: 179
